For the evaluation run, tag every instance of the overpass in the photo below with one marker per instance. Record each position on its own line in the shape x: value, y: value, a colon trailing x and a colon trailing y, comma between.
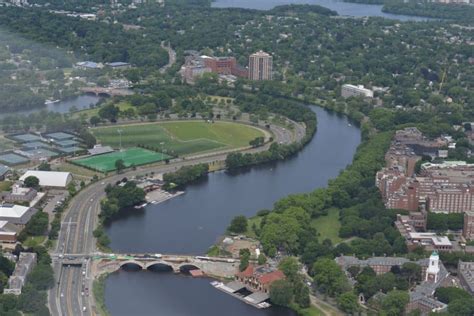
x: 111, y: 92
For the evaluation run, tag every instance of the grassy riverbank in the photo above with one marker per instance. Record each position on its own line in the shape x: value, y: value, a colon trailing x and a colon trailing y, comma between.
x: 98, y: 290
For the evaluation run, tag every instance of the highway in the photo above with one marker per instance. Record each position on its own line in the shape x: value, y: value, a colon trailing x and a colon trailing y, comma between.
x: 72, y: 294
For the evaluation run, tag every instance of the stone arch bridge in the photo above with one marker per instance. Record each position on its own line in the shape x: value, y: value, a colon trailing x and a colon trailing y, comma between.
x: 212, y: 266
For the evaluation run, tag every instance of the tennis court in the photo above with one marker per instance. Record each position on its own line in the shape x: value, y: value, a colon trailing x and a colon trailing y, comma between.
x: 13, y: 159
x: 132, y: 156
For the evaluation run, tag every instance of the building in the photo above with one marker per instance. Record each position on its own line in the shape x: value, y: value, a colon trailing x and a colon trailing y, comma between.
x: 259, y: 278
x: 349, y: 90
x: 19, y: 195
x: 84, y: 65
x: 118, y: 65
x: 49, y: 179
x: 260, y: 66
x: 26, y: 263
x: 430, y: 241
x: 468, y: 229
x: 8, y: 232
x: 195, y: 66
x: 99, y: 150
x: 433, y: 274
x: 225, y: 66
x: 16, y: 214
x: 4, y: 171
x: 466, y: 275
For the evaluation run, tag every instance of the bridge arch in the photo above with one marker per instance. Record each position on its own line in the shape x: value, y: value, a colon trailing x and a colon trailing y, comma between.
x: 185, y: 268
x: 131, y: 265
x: 159, y: 266
x: 104, y: 94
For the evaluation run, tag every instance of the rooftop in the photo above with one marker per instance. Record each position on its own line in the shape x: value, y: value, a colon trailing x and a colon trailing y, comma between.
x: 49, y: 178
x: 12, y: 210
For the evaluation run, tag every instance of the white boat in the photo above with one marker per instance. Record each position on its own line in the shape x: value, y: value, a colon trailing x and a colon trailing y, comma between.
x: 137, y: 207
x: 51, y: 101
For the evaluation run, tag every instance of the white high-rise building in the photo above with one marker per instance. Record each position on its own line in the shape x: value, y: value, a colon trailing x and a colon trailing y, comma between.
x: 260, y: 66
x: 433, y: 269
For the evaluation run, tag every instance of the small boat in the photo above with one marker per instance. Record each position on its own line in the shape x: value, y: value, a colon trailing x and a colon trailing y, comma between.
x: 349, y: 124
x: 51, y: 101
x: 137, y: 207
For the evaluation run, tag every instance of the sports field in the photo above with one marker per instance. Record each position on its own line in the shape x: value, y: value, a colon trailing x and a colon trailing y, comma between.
x: 179, y: 138
x: 130, y: 156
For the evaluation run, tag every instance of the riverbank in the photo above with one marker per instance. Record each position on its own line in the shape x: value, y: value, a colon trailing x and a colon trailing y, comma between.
x: 98, y: 290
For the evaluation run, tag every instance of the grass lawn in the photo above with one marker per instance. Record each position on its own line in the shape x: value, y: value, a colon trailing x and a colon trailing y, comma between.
x: 33, y: 241
x: 310, y: 311
x: 5, y: 185
x: 76, y: 170
x: 88, y: 113
x: 130, y: 156
x: 179, y: 138
x: 251, y: 221
x: 328, y: 226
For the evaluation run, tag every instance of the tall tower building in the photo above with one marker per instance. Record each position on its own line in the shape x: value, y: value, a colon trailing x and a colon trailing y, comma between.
x: 260, y: 66
x: 433, y: 269
x: 468, y: 231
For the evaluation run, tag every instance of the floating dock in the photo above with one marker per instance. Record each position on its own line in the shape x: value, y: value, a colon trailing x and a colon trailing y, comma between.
x: 256, y: 299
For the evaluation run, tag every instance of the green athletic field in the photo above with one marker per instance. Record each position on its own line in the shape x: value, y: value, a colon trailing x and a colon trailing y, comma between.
x: 130, y: 156
x: 179, y: 138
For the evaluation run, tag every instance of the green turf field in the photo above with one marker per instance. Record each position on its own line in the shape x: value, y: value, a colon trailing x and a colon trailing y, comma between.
x: 179, y: 138
x: 130, y: 156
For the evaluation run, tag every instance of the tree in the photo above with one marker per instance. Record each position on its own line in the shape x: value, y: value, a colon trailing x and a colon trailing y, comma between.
x: 42, y: 277
x: 329, y: 277
x: 38, y: 224
x: 461, y: 307
x: 94, y: 120
x: 262, y: 259
x: 119, y: 165
x: 109, y: 112
x: 290, y: 267
x: 301, y: 295
x: 238, y: 224
x: 449, y: 294
x: 394, y: 303
x: 44, y: 166
x: 348, y: 302
x: 411, y: 271
x: 281, y: 292
x: 31, y: 182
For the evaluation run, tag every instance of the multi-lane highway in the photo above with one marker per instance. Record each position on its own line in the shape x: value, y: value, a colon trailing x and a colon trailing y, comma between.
x: 72, y: 294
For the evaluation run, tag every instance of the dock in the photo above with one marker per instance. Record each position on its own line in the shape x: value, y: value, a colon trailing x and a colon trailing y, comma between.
x: 159, y: 196
x: 256, y: 299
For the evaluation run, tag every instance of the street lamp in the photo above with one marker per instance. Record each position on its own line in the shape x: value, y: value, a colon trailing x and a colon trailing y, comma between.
x: 120, y: 133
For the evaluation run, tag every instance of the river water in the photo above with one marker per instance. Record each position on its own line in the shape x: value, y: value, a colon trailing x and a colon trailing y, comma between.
x: 190, y: 223
x: 341, y: 7
x: 81, y: 102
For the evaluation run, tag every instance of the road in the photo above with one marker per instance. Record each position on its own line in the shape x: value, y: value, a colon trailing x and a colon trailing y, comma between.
x: 171, y: 57
x: 72, y: 294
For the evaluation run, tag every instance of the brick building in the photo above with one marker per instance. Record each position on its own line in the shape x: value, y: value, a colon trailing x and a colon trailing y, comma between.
x: 259, y: 278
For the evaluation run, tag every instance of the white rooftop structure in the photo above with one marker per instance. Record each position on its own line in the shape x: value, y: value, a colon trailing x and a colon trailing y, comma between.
x: 349, y: 90
x: 49, y: 178
x: 16, y: 214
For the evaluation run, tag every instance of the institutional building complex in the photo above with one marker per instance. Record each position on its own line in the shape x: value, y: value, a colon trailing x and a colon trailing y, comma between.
x: 349, y: 90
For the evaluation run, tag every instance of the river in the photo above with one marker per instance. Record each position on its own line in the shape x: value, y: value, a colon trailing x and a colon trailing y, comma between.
x: 341, y: 7
x: 81, y: 102
x: 190, y: 223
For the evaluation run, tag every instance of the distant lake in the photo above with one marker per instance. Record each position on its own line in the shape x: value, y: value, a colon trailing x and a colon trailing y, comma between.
x: 341, y: 7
